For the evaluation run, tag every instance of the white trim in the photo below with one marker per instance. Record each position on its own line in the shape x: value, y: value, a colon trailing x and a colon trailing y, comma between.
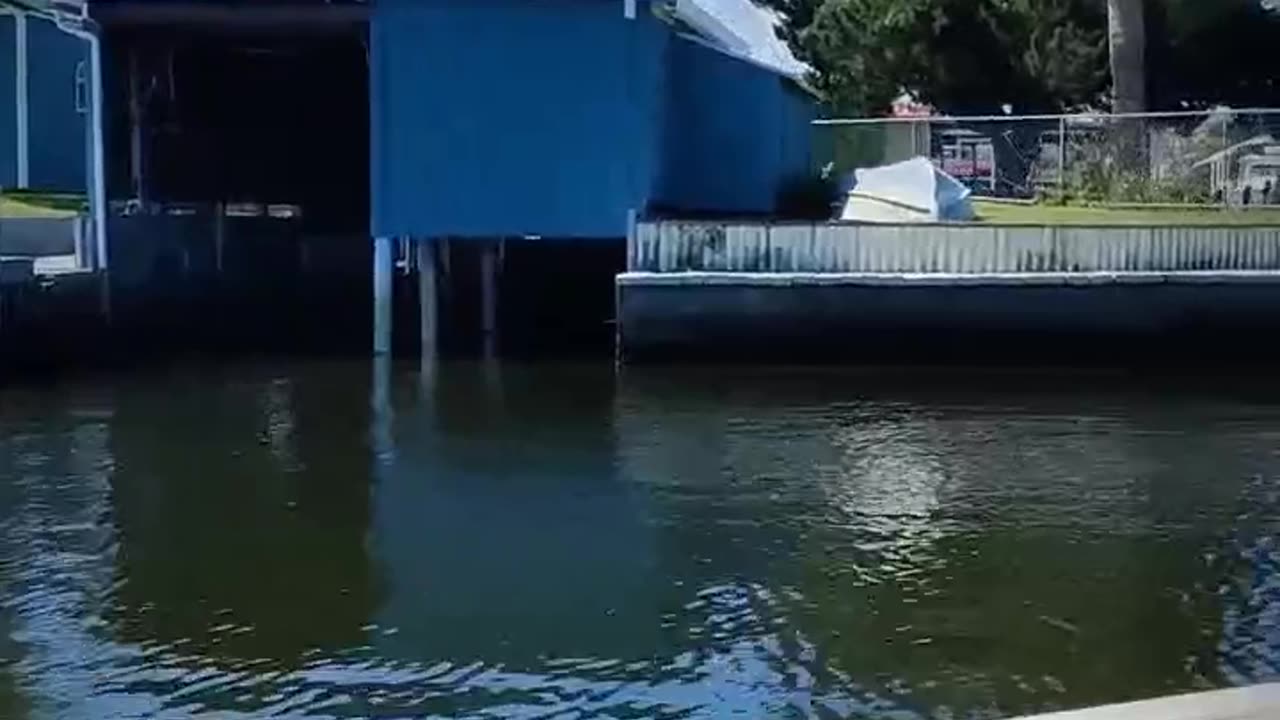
x: 98, y: 175
x: 21, y: 103
x: 629, y: 9
x: 97, y: 180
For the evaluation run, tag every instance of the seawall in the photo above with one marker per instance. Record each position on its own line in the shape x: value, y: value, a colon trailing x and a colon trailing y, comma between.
x: 186, y: 282
x: 197, y: 282
x: 941, y: 293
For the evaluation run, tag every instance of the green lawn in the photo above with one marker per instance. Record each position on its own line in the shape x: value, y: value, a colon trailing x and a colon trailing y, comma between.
x: 1032, y: 214
x: 39, y: 205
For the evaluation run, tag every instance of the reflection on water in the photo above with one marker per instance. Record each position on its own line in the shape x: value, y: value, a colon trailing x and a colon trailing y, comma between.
x: 556, y: 541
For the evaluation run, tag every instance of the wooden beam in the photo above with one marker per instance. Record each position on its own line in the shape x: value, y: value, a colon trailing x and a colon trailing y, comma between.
x: 294, y: 17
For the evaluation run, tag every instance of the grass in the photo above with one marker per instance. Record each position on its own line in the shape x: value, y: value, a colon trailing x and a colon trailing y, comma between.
x: 27, y: 204
x: 1001, y: 213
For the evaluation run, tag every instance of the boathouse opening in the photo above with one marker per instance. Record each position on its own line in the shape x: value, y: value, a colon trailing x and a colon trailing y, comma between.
x: 238, y: 151
x: 240, y: 107
x: 243, y: 115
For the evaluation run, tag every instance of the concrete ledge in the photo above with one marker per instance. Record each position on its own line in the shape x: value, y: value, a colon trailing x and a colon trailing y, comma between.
x: 1063, y: 318
x: 1261, y: 702
x: 38, y: 236
x: 695, y: 279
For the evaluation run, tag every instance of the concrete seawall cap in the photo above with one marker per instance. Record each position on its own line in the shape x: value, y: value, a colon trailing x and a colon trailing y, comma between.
x: 37, y: 236
x: 1260, y: 702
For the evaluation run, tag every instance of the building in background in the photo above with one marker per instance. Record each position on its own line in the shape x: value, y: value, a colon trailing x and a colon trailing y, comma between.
x: 44, y: 104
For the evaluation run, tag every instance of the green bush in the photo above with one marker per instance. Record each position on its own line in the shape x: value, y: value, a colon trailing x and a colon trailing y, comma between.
x: 1111, y: 171
x: 806, y: 197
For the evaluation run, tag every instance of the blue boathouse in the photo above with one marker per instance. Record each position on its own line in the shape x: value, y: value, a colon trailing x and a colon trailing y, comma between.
x: 475, y: 121
x: 558, y: 118
x: 482, y: 118
x: 569, y: 119
x: 416, y: 121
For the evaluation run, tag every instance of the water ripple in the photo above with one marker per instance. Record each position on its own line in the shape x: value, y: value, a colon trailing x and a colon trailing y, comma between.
x: 800, y: 546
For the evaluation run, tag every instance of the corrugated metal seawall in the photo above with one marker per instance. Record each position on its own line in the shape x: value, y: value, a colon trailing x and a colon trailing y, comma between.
x: 679, y: 246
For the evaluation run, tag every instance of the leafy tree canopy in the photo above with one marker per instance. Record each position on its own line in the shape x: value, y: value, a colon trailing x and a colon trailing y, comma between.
x: 1208, y: 53
x: 978, y: 56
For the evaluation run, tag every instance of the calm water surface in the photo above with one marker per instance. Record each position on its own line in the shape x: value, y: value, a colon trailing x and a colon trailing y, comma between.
x: 557, y: 542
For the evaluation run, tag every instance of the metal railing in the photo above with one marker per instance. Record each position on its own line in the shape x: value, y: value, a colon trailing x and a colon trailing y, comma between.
x: 1222, y: 156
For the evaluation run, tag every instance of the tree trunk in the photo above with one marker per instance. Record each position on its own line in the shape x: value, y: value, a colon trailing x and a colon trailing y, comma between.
x: 1127, y: 38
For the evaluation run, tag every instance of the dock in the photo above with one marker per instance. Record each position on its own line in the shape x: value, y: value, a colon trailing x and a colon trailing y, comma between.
x: 1260, y: 702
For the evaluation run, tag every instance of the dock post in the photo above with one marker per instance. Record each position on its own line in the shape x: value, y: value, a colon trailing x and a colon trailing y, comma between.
x: 489, y: 259
x: 381, y: 414
x: 104, y: 296
x: 137, y: 175
x: 382, y: 299
x: 428, y: 315
x: 219, y: 235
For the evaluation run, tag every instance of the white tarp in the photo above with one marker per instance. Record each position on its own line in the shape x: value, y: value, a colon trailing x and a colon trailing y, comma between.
x: 913, y: 190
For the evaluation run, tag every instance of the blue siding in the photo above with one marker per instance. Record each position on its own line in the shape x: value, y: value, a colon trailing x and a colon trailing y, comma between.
x: 8, y: 96
x: 57, y: 130
x: 505, y: 117
x: 734, y: 133
x: 799, y: 110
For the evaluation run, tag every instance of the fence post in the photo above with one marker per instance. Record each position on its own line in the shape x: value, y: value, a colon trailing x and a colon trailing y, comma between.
x: 1062, y: 156
x: 1226, y: 168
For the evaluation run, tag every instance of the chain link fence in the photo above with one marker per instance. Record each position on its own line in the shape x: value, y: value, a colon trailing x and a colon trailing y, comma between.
x: 1217, y: 157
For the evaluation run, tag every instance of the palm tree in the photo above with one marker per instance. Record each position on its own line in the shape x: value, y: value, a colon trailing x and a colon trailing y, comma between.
x: 1127, y: 38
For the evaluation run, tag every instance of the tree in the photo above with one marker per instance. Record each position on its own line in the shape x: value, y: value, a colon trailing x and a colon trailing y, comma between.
x: 1127, y: 43
x: 861, y: 50
x: 959, y: 55
x: 1036, y: 55
x: 1201, y: 54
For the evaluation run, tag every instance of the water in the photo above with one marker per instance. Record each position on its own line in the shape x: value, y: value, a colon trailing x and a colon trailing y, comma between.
x: 555, y: 542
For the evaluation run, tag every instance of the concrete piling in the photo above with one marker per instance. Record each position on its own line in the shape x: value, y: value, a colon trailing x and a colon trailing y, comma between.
x: 490, y: 260
x: 382, y: 295
x: 428, y: 312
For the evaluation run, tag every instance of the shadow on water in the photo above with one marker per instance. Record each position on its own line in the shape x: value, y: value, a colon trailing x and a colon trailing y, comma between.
x: 241, y: 507
x: 529, y: 540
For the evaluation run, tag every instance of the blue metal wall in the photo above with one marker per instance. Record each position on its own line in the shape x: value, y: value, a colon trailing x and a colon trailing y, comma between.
x: 8, y: 96
x: 506, y: 117
x: 734, y: 132
x: 57, y: 130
